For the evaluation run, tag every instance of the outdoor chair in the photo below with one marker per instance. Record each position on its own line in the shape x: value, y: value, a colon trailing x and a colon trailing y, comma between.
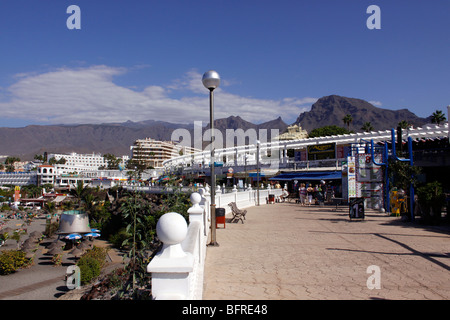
x: 237, y: 213
x: 292, y: 196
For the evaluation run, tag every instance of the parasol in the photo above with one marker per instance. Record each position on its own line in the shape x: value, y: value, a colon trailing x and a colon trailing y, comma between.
x: 92, y: 234
x: 77, y: 252
x: 28, y: 245
x: 57, y: 243
x: 85, y: 245
x: 73, y: 236
x: 7, y: 230
x: 56, y: 250
x: 35, y: 234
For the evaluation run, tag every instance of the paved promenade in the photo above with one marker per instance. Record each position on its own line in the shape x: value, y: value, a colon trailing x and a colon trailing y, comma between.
x: 285, y: 251
x: 43, y: 280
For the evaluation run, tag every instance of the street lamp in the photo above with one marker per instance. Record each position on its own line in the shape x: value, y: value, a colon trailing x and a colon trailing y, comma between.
x: 211, y: 81
x: 257, y: 169
x: 245, y: 169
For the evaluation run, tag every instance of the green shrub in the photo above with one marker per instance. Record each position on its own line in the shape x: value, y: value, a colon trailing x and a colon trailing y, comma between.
x: 89, y: 269
x: 51, y: 228
x: 91, y: 263
x: 118, y: 238
x: 431, y: 199
x: 97, y: 253
x: 11, y: 260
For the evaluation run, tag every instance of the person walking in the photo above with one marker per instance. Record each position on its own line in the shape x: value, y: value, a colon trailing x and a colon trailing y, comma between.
x: 309, y: 193
x: 302, y: 192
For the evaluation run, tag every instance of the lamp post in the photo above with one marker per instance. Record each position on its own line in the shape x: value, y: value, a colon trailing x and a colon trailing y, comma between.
x: 245, y: 169
x: 211, y: 81
x: 257, y: 169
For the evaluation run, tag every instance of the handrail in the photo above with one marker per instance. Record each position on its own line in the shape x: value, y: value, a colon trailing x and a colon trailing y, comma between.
x: 425, y: 131
x: 411, y: 162
x: 372, y: 153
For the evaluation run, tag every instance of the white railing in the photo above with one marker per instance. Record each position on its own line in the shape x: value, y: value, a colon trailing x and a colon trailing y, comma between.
x: 237, y: 154
x: 177, y: 270
x: 244, y: 199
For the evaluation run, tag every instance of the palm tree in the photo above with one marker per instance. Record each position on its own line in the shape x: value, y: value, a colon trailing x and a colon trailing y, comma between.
x: 49, y: 206
x: 79, y: 192
x: 347, y: 120
x: 32, y: 190
x: 367, y: 127
x: 404, y: 124
x: 89, y: 202
x: 438, y: 117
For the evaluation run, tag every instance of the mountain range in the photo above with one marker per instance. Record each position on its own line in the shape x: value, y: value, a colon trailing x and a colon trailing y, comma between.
x: 330, y: 110
x: 116, y: 138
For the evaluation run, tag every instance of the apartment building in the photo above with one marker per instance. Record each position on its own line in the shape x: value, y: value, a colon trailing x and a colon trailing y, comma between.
x: 294, y: 132
x: 153, y: 152
x: 77, y: 167
x: 93, y: 161
x: 18, y: 178
x: 46, y: 174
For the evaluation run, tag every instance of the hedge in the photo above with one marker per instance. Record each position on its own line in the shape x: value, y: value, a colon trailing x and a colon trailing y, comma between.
x: 11, y: 260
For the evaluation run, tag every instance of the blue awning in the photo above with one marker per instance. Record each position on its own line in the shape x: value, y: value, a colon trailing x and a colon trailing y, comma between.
x: 254, y: 174
x: 319, y: 175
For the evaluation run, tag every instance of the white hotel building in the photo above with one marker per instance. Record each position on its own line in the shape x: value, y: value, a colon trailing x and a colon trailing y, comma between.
x: 78, y: 167
x: 154, y: 153
x: 91, y: 161
x: 91, y: 168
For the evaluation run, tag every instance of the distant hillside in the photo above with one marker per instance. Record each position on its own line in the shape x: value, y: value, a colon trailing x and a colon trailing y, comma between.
x: 115, y: 138
x: 330, y: 110
x: 261, y: 131
x: 87, y: 138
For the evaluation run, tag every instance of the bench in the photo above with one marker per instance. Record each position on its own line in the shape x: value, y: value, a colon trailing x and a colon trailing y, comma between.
x: 292, y: 196
x: 237, y: 213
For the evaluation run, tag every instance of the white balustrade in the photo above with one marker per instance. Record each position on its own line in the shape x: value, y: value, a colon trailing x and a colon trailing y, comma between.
x: 177, y: 270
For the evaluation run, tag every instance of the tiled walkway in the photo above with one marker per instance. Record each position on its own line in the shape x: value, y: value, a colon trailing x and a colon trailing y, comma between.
x: 285, y: 251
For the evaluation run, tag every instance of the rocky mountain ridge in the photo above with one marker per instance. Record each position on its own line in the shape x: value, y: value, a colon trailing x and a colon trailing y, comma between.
x: 116, y: 138
x: 330, y: 110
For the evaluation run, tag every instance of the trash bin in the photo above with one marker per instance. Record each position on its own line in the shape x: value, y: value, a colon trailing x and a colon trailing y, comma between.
x: 220, y: 216
x: 356, y: 208
x: 271, y: 198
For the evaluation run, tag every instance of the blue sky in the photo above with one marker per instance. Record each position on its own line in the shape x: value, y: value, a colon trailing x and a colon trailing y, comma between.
x: 140, y: 60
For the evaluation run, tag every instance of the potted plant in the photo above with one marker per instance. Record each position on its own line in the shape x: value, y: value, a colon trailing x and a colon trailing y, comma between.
x: 431, y: 200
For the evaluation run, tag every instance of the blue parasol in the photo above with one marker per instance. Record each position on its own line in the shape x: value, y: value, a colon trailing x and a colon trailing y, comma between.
x: 92, y: 234
x: 73, y: 236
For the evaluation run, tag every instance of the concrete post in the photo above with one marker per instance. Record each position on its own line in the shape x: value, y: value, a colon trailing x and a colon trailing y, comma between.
x: 171, y: 267
x: 196, y: 211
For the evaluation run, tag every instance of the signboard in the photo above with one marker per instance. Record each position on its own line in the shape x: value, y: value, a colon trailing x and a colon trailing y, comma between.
x: 367, y: 170
x: 16, y: 193
x: 369, y: 180
x: 319, y: 148
x: 351, y: 169
x: 322, y: 151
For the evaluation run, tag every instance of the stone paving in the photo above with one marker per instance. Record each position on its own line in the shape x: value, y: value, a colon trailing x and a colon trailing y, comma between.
x: 43, y: 280
x: 285, y: 251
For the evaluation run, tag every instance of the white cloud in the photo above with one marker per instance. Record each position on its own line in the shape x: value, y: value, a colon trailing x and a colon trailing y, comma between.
x: 89, y: 95
x: 376, y: 103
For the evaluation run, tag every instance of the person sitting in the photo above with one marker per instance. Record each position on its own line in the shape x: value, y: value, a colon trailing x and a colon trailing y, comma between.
x: 284, y: 194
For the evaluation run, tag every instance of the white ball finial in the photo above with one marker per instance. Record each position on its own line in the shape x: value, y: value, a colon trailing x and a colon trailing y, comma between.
x: 171, y: 228
x: 196, y: 198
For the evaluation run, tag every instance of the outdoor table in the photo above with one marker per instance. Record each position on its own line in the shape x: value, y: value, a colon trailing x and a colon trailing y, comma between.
x: 337, y: 201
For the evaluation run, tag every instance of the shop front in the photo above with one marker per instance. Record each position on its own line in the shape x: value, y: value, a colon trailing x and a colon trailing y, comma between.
x: 331, y: 179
